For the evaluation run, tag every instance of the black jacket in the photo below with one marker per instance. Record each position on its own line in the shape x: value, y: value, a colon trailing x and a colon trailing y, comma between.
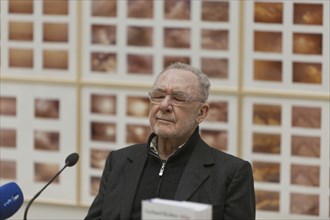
x: 211, y: 176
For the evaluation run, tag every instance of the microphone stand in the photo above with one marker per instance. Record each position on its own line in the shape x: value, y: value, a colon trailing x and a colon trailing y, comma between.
x: 36, y: 195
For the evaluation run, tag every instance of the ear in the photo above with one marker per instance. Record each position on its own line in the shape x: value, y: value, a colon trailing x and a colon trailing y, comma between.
x: 203, y: 112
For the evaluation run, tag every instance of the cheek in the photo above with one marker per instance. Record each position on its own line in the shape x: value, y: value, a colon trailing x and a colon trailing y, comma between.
x: 190, y: 114
x: 152, y: 113
x: 187, y: 118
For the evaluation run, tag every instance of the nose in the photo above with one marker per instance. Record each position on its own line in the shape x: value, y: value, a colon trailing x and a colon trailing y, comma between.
x: 166, y: 103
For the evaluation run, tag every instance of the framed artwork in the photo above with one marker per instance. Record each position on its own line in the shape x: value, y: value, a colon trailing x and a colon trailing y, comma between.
x: 132, y: 41
x: 284, y: 139
x: 284, y: 49
x: 38, y: 132
x: 39, y: 39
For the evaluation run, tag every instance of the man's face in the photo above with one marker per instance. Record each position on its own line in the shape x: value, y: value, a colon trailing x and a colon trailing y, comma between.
x: 171, y: 121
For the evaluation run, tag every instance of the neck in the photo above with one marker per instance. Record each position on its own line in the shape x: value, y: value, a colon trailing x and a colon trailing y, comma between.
x: 167, y: 147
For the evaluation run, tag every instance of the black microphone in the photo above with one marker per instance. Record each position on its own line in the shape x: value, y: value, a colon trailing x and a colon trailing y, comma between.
x: 70, y: 161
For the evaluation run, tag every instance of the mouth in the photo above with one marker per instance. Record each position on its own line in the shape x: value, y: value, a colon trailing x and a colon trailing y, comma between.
x: 164, y: 120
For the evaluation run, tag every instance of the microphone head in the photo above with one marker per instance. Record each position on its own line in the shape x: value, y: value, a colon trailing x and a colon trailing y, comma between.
x: 11, y: 199
x: 72, y: 159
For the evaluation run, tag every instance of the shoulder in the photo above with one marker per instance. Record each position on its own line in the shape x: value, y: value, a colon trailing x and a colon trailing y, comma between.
x: 230, y: 167
x: 131, y: 148
x: 223, y: 159
x: 129, y: 151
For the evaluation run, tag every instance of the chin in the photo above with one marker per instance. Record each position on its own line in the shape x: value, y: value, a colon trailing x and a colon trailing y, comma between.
x: 164, y: 132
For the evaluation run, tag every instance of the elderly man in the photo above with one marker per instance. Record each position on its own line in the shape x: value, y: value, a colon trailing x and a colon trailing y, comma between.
x: 175, y: 163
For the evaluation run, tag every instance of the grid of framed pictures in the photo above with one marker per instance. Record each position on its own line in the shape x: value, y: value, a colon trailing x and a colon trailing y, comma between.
x: 286, y: 45
x: 38, y: 39
x: 75, y: 76
x: 39, y: 119
x: 134, y: 40
x: 287, y: 142
x: 287, y: 139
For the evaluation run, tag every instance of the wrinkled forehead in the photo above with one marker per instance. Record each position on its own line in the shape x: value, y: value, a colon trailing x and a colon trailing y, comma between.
x: 177, y: 79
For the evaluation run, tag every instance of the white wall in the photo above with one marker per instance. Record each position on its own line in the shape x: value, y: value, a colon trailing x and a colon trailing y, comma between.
x: 51, y: 211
